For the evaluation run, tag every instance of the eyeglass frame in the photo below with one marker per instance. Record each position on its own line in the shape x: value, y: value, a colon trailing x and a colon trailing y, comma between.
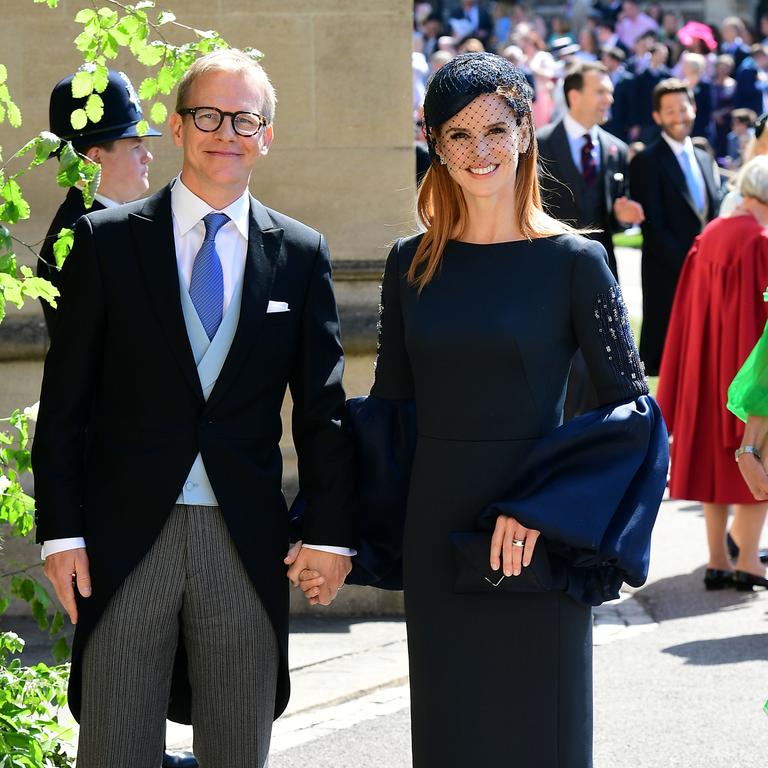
x: 263, y: 122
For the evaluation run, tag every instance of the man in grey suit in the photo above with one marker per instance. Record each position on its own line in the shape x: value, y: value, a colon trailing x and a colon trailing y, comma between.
x: 584, y: 177
x: 184, y: 318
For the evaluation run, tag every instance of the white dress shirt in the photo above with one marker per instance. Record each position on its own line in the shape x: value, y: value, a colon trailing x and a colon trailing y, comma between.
x: 576, y: 131
x: 188, y: 211
x: 686, y: 147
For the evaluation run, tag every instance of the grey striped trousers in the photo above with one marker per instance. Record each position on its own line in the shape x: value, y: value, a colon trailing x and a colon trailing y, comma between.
x: 192, y: 580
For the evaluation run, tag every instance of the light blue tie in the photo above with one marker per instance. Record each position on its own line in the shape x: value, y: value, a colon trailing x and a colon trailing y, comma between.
x: 697, y: 194
x: 206, y: 289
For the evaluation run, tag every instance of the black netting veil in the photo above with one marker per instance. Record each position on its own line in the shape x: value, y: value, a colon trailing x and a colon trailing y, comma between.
x: 453, y: 88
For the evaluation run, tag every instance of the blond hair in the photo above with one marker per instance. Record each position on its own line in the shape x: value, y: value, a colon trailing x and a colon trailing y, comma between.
x: 228, y: 60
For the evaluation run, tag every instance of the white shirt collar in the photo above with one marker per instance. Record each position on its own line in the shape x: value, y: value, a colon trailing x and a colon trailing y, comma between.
x: 678, y: 147
x: 105, y: 201
x: 576, y: 130
x: 189, y: 209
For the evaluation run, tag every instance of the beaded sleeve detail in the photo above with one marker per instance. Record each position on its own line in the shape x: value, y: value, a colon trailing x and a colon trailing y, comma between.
x: 612, y: 320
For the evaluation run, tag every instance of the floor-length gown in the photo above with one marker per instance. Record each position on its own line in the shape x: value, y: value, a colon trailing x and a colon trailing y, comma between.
x: 502, y: 680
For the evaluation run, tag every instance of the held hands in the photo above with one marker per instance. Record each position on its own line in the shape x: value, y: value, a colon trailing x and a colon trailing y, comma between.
x: 319, y: 574
x: 628, y: 211
x: 63, y: 569
x: 513, y: 542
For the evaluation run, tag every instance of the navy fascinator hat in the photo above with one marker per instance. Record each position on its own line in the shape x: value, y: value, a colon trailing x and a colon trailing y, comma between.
x: 460, y: 81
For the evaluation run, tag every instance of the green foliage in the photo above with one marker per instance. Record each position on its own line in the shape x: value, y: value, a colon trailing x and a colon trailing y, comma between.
x: 63, y: 245
x: 31, y: 735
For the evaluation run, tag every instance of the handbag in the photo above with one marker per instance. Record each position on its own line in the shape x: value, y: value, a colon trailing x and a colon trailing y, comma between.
x: 472, y: 570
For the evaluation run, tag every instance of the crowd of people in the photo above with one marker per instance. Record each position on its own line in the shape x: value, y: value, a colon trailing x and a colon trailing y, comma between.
x: 726, y: 66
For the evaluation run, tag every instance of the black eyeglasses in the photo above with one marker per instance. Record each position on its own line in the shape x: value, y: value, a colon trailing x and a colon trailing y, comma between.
x: 209, y: 119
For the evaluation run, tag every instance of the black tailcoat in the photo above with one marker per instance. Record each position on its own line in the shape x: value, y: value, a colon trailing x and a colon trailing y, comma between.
x: 121, y: 366
x: 670, y: 227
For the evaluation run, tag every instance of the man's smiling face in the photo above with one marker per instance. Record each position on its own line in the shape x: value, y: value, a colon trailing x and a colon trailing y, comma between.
x: 221, y: 160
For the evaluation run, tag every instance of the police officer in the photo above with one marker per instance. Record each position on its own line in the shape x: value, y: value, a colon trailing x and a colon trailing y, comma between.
x: 114, y: 144
x: 124, y: 158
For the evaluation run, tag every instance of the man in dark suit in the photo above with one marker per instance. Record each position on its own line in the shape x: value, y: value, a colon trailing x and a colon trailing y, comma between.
x: 675, y: 183
x: 114, y: 144
x: 183, y: 319
x: 584, y: 167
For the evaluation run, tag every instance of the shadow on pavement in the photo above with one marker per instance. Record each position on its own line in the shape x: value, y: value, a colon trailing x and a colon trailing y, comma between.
x: 679, y: 597
x: 724, y: 650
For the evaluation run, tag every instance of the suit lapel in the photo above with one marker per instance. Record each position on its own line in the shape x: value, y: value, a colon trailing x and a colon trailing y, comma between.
x: 671, y: 167
x: 571, y: 174
x: 705, y: 164
x: 264, y: 243
x: 152, y: 229
x: 605, y: 173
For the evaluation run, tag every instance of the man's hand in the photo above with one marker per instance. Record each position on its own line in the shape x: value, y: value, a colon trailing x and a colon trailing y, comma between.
x: 63, y: 570
x: 628, y: 211
x: 319, y: 574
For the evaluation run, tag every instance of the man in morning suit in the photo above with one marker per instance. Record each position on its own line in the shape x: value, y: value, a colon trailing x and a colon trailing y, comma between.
x: 583, y: 183
x: 113, y: 143
x: 675, y: 183
x: 585, y: 167
x: 183, y: 319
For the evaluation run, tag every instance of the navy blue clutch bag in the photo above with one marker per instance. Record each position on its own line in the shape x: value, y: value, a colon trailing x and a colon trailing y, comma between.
x: 472, y: 571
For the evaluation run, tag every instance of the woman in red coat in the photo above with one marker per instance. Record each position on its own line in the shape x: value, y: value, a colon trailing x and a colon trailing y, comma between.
x: 717, y: 317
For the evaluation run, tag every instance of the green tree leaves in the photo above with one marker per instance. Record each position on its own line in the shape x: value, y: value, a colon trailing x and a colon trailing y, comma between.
x: 63, y: 245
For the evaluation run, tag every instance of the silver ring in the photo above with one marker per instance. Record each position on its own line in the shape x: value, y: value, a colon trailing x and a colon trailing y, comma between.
x: 518, y: 542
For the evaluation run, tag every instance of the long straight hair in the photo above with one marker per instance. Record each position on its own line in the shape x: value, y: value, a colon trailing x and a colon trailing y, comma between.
x: 443, y: 212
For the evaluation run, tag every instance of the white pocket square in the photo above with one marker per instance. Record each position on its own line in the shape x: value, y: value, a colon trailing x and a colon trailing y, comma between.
x: 278, y: 306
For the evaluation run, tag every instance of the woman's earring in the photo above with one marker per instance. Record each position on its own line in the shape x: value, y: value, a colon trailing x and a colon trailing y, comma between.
x: 441, y: 159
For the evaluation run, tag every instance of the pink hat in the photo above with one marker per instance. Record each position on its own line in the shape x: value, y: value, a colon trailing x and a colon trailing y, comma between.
x: 696, y: 30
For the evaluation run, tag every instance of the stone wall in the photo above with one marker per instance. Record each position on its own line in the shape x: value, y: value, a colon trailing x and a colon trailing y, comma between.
x: 342, y: 160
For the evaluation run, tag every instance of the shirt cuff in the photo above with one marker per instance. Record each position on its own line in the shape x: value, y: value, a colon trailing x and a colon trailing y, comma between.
x: 333, y: 550
x: 52, y: 546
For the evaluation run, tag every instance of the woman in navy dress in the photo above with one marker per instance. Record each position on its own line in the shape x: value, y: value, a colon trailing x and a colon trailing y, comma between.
x: 481, y: 316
